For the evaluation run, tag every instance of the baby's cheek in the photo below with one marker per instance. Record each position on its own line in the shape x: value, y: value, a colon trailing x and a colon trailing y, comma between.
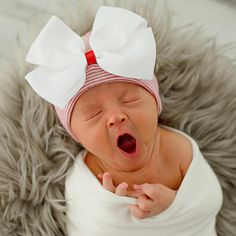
x: 147, y: 119
x: 95, y: 139
x: 146, y: 125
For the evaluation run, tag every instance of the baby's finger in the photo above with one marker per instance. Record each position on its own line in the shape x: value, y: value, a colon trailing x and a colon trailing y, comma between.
x: 151, y: 190
x: 134, y: 193
x: 137, y: 190
x: 145, y: 203
x: 107, y: 182
x: 121, y: 189
x: 137, y: 186
x: 138, y: 213
x: 100, y: 176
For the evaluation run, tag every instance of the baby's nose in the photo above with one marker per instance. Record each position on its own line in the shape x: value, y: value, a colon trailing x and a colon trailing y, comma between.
x: 116, y: 118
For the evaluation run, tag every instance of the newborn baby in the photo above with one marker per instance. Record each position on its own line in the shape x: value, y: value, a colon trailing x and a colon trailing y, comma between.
x: 159, y: 171
x: 120, y: 131
x: 134, y: 176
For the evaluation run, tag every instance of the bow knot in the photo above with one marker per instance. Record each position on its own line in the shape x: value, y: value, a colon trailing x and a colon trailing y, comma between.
x: 90, y: 57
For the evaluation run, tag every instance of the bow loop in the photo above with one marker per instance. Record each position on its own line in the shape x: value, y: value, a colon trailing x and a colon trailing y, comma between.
x: 126, y: 44
x: 56, y: 46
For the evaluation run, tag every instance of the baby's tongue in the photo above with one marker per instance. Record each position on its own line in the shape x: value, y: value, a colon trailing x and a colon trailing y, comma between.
x: 127, y: 143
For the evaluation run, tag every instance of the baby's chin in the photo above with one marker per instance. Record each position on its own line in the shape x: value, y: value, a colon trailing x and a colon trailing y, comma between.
x: 129, y: 162
x: 136, y: 159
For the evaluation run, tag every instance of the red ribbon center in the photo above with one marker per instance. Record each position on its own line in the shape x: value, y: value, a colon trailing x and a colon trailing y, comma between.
x: 90, y: 57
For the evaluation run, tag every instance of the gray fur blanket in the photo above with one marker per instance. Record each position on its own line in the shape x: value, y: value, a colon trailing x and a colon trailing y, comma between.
x: 197, y: 87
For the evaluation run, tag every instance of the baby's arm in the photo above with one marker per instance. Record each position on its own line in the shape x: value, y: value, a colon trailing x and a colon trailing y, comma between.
x: 152, y: 199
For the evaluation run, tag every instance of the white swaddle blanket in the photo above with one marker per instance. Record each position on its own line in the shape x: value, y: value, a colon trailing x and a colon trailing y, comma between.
x: 94, y: 211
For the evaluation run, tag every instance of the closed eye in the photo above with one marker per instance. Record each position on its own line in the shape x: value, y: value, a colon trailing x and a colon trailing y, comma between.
x: 131, y: 100
x: 94, y: 115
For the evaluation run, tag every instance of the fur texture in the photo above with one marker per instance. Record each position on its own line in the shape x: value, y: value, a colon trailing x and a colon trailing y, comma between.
x: 197, y: 87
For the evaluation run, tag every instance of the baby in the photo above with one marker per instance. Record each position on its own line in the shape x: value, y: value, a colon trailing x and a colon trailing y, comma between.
x: 119, y: 129
x: 106, y: 95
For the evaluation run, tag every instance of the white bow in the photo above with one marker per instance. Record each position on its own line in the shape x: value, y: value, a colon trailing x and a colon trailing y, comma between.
x: 120, y: 39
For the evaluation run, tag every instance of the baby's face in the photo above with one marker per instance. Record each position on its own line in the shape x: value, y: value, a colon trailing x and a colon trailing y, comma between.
x: 116, y: 122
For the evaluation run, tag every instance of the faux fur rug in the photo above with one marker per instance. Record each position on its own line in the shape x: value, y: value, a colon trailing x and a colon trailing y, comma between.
x: 197, y: 86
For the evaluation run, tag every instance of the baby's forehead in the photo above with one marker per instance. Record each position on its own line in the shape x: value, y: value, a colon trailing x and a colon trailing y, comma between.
x: 104, y: 91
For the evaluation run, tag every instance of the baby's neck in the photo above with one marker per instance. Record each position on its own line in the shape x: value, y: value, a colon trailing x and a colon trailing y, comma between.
x: 148, y: 173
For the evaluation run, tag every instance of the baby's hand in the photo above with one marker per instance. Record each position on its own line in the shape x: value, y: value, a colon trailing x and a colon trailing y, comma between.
x: 107, y: 183
x: 155, y: 199
x: 152, y: 199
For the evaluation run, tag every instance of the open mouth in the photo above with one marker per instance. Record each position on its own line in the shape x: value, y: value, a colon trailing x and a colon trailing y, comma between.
x: 127, y: 143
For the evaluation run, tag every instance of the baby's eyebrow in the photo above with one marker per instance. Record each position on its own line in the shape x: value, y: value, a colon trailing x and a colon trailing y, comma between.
x: 93, y: 105
x: 87, y: 107
x: 127, y: 90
